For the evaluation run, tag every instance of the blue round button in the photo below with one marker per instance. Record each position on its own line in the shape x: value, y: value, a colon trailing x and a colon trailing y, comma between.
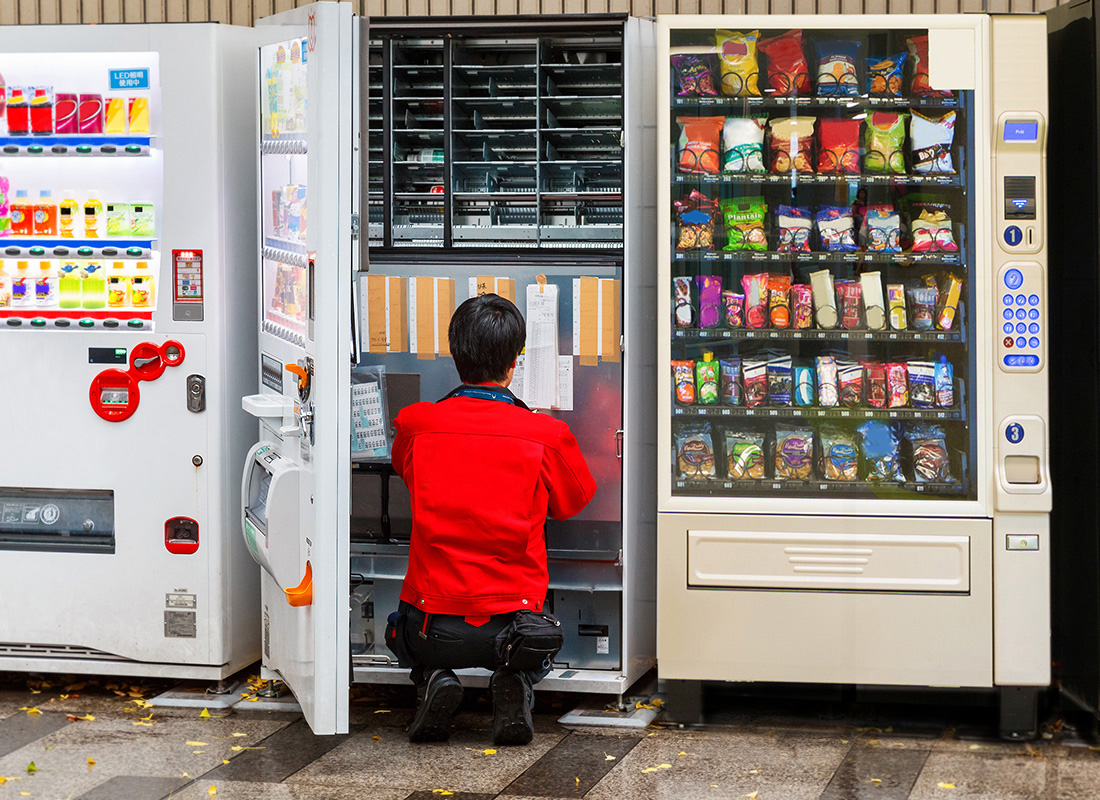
x: 1008, y: 327
x: 1033, y: 343
x: 1033, y: 299
x: 1007, y: 313
x: 1033, y: 328
x: 1015, y: 433
x: 1013, y: 236
x: 1021, y: 314
x: 1021, y: 300
x: 1021, y: 342
x: 1021, y: 327
x: 1007, y: 299
x: 1033, y: 314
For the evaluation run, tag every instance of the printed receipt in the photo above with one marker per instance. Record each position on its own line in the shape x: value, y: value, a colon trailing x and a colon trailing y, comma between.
x: 565, y: 383
x: 540, y: 366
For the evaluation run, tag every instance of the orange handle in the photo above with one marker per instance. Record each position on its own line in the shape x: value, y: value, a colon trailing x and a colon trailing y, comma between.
x: 301, y: 372
x: 302, y: 594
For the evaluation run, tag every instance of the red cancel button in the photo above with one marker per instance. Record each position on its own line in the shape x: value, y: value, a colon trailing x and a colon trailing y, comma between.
x: 1008, y: 341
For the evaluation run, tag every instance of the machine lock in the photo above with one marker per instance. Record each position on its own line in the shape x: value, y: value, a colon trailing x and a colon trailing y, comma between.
x: 196, y: 394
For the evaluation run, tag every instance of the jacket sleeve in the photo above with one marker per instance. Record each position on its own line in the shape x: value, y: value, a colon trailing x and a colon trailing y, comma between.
x: 568, y: 481
x: 401, y: 450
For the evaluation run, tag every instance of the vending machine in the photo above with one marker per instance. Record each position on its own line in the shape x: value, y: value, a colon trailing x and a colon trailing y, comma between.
x: 853, y: 472
x: 124, y: 292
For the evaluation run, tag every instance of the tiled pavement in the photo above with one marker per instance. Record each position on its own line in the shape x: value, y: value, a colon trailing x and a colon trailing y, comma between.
x: 60, y: 741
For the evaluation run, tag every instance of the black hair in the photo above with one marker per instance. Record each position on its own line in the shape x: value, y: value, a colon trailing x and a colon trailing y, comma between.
x: 486, y: 334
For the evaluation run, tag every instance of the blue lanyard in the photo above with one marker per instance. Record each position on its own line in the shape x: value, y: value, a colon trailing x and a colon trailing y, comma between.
x: 485, y: 393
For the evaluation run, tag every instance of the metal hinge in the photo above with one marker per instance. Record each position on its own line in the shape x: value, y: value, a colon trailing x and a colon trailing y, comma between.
x: 355, y: 227
x: 618, y: 443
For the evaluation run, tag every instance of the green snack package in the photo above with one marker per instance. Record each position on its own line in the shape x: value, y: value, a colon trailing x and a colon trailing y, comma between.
x: 744, y: 220
x: 706, y: 379
x: 884, y: 142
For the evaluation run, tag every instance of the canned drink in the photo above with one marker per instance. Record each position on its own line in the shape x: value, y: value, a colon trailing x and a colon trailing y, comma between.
x: 90, y: 113
x: 65, y: 113
x: 139, y: 115
x: 116, y: 115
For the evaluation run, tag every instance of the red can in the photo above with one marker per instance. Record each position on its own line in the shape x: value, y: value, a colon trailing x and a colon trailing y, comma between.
x: 65, y: 112
x: 42, y: 111
x: 18, y: 112
x: 90, y: 113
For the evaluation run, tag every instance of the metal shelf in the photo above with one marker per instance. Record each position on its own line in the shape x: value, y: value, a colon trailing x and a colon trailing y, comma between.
x: 768, y: 256
x: 814, y: 487
x: 815, y: 412
x: 810, y: 179
x: 814, y: 103
x: 813, y: 335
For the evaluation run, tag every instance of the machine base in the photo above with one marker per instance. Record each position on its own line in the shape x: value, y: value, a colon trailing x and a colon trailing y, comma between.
x: 1019, y: 712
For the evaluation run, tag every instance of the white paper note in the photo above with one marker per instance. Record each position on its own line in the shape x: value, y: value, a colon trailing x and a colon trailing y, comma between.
x: 540, y: 373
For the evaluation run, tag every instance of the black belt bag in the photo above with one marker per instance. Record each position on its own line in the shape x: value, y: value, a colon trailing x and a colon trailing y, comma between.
x: 530, y: 642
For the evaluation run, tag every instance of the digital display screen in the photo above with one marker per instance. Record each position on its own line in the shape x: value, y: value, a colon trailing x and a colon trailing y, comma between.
x: 106, y: 355
x: 1022, y: 131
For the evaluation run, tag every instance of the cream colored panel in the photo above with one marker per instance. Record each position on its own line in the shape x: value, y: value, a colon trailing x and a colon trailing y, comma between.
x: 70, y: 11
x: 49, y: 13
x: 951, y: 58
x: 849, y: 561
x: 112, y: 11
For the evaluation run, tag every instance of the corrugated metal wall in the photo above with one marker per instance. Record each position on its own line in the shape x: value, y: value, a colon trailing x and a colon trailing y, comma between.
x: 243, y: 12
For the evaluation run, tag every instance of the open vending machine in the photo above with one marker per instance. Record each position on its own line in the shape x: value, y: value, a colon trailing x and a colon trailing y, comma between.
x: 853, y: 473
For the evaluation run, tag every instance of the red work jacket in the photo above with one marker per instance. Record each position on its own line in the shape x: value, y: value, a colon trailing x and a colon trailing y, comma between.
x: 483, y: 473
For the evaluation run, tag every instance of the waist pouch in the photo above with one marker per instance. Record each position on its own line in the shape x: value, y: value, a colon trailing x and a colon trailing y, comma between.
x: 530, y: 642
x: 395, y: 637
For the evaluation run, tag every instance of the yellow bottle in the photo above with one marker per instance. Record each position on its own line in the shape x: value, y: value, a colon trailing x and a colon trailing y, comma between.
x: 69, y: 213
x: 93, y: 218
x: 118, y: 286
x: 142, y: 286
x: 93, y: 292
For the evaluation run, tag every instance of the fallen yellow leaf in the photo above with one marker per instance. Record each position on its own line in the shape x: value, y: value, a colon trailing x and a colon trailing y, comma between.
x: 650, y: 769
x: 225, y: 760
x: 606, y: 757
x: 489, y: 752
x: 979, y: 747
x: 91, y: 762
x: 205, y: 714
x: 238, y: 735
x: 74, y: 717
x: 64, y: 696
x: 650, y: 734
x: 185, y: 775
x: 30, y: 710
x: 212, y: 791
x: 754, y: 771
x: 658, y: 702
x: 876, y: 781
x: 946, y: 785
x: 31, y: 767
x: 384, y: 711
x: 197, y: 752
x: 196, y: 744
x: 24, y: 794
x: 750, y: 796
x: 664, y: 766
x: 376, y: 738
x: 578, y: 780
x: 441, y: 791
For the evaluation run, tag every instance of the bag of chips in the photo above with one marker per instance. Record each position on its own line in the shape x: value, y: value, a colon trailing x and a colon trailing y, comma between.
x: 744, y: 220
x: 884, y: 143
x: 706, y: 379
x: 850, y: 375
x: 881, y: 232
x: 931, y: 462
x: 733, y: 304
x: 755, y: 380
x: 838, y: 149
x: 803, y: 386
x: 730, y: 369
x: 794, y: 451
x: 881, y: 450
x: 838, y: 455
x: 932, y: 232
x: 802, y: 302
x: 683, y: 308
x: 874, y: 384
x: 744, y: 455
x: 835, y: 226
x: 918, y: 52
x: 851, y: 296
x: 743, y: 144
x: 710, y: 298
x: 779, y: 381
x: 930, y: 140
x: 945, y: 384
x: 922, y: 307
x: 794, y: 224
x: 897, y: 386
x: 895, y: 297
x: 791, y: 144
x: 836, y: 69
x: 788, y: 72
x: 884, y: 75
x: 828, y: 392
x: 922, y: 379
x: 683, y: 376
x: 738, y: 63
x: 756, y: 299
x: 699, y: 144
x: 779, y: 300
x: 695, y: 451
x: 695, y: 214
x: 695, y: 74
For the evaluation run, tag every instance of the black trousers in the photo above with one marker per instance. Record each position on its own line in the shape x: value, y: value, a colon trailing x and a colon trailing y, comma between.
x: 447, y: 641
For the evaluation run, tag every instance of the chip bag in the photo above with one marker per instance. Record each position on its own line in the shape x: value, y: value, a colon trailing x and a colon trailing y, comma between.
x: 922, y: 384
x: 932, y: 232
x: 779, y: 381
x: 839, y: 461
x: 804, y: 386
x: 884, y: 75
x: 930, y: 140
x: 931, y: 461
x: 794, y: 226
x: 850, y: 374
x: 695, y: 74
x: 695, y: 214
x: 884, y: 143
x: 743, y: 144
x: 755, y: 381
x: 710, y: 298
x: 683, y: 376
x: 756, y: 299
x: 779, y: 300
x: 838, y: 149
x: 874, y: 384
x: 683, y: 308
x: 791, y: 144
x: 836, y: 229
x: 922, y: 307
x: 738, y: 63
x: 699, y: 144
x: 744, y: 220
x: 794, y: 450
x: 836, y: 69
x: 803, y: 306
x: 918, y: 52
x: 881, y: 451
x: 733, y: 304
x: 828, y: 390
x: 788, y: 72
x: 881, y: 231
x: 695, y: 451
x: 706, y: 379
x: 730, y: 373
x: 744, y: 455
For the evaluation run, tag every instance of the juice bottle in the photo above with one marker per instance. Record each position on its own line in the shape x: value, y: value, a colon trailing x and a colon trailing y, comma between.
x: 5, y: 205
x: 18, y: 108
x: 68, y: 212
x: 141, y: 219
x: 42, y: 110
x: 118, y: 286
x: 45, y: 215
x: 69, y: 285
x: 22, y: 214
x: 118, y: 223
x: 93, y: 291
x: 93, y: 218
x: 22, y: 286
x: 45, y: 286
x: 5, y: 287
x: 141, y: 292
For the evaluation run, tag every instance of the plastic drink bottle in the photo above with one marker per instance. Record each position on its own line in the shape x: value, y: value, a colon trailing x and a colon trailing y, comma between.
x: 5, y: 206
x: 22, y: 214
x: 45, y: 286
x: 69, y: 285
x: 117, y: 222
x: 5, y: 287
x: 22, y: 286
x: 141, y: 291
x: 42, y: 111
x: 45, y: 215
x: 118, y: 286
x: 93, y: 292
x: 141, y: 219
x: 18, y: 111
x: 93, y: 218
x: 68, y: 212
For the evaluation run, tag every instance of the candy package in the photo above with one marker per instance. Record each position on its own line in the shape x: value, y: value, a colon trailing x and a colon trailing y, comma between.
x: 931, y: 462
x: 682, y: 305
x: 930, y: 140
x: 933, y: 233
x: 922, y: 307
x: 791, y: 144
x: 836, y: 68
x: 710, y: 298
x: 874, y: 307
x: 881, y: 451
x: 803, y: 380
x: 838, y: 148
x: 695, y: 74
x: 756, y: 299
x: 838, y: 455
x: 794, y: 226
x: 948, y: 302
x: 779, y: 381
x: 945, y: 384
x: 744, y: 455
x: 743, y: 144
x: 897, y: 386
x: 828, y: 392
x: 881, y: 232
x: 788, y: 72
x: 802, y: 304
x: 779, y: 300
x: 683, y: 375
x: 850, y: 377
x: 733, y: 307
x: 884, y: 75
x: 699, y: 144
x: 918, y: 53
x: 821, y: 282
x: 695, y: 215
x: 850, y: 294
x: 744, y: 220
x: 706, y: 379
x: 794, y: 451
x: 895, y: 296
x: 874, y: 384
x: 922, y: 379
x: 737, y: 63
x: 836, y: 228
x: 755, y: 380
x: 695, y: 451
x: 884, y: 143
x: 730, y: 372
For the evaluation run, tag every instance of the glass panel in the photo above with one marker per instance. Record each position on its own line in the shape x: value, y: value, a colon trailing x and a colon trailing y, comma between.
x: 820, y: 260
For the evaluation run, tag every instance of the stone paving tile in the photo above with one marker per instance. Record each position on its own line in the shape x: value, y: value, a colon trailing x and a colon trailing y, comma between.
x: 243, y: 790
x: 875, y: 772
x: 573, y: 767
x: 134, y: 787
x: 21, y: 728
x: 980, y: 777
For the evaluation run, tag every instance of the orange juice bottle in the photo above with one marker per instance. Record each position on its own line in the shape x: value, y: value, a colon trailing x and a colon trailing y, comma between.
x: 118, y: 286
x: 22, y: 214
x: 141, y: 286
x: 68, y: 214
x: 45, y: 215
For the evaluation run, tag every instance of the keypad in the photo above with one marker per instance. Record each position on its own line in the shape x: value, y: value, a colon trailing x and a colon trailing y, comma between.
x: 1022, y: 343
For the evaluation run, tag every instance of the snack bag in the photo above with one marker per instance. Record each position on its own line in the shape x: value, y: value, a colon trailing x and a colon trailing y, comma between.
x: 791, y: 143
x: 922, y: 379
x: 756, y: 300
x: 895, y: 296
x: 743, y: 144
x: 930, y: 140
x: 897, y: 386
x: 684, y: 311
x: 744, y: 220
x: 850, y: 375
x: 922, y: 307
x: 683, y: 376
x: 788, y: 72
x: 744, y: 455
x: 755, y: 378
x: 838, y: 455
x: 838, y: 148
x: 933, y: 233
x: 850, y: 294
x: 803, y: 386
x: 695, y: 214
x: 948, y: 305
x: 918, y: 52
x: 695, y: 451
x: 931, y: 462
x: 884, y: 75
x: 874, y: 307
x: 733, y: 304
x: 738, y: 63
x: 881, y: 451
x: 836, y: 69
x: 710, y: 296
x: 730, y: 373
x: 699, y: 144
x: 802, y: 301
x: 706, y: 379
x: 794, y: 226
x: 874, y: 384
x: 694, y: 74
x: 779, y: 381
x: 835, y: 226
x: 881, y: 232
x: 779, y: 300
x: 794, y: 450
x: 945, y: 384
x: 821, y: 283
x: 884, y: 143
x: 828, y: 392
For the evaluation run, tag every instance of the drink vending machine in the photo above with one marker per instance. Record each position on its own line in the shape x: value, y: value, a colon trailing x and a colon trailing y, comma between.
x: 853, y: 473
x: 122, y: 286
x: 499, y: 157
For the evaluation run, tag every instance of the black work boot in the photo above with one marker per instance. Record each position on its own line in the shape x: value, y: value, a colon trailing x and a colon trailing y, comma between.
x: 442, y: 696
x: 512, y: 701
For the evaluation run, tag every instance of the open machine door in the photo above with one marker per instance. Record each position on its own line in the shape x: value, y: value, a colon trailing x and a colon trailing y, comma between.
x: 296, y: 478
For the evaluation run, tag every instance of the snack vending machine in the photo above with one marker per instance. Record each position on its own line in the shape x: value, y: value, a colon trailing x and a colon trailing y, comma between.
x: 853, y: 473
x: 122, y: 280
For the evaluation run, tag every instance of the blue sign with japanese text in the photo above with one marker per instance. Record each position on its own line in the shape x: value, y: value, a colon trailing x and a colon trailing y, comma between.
x: 122, y: 79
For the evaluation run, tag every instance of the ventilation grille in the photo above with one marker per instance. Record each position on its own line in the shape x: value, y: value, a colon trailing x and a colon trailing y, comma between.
x: 55, y: 651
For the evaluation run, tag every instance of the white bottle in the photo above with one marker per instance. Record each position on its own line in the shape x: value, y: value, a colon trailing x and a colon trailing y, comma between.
x: 45, y: 285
